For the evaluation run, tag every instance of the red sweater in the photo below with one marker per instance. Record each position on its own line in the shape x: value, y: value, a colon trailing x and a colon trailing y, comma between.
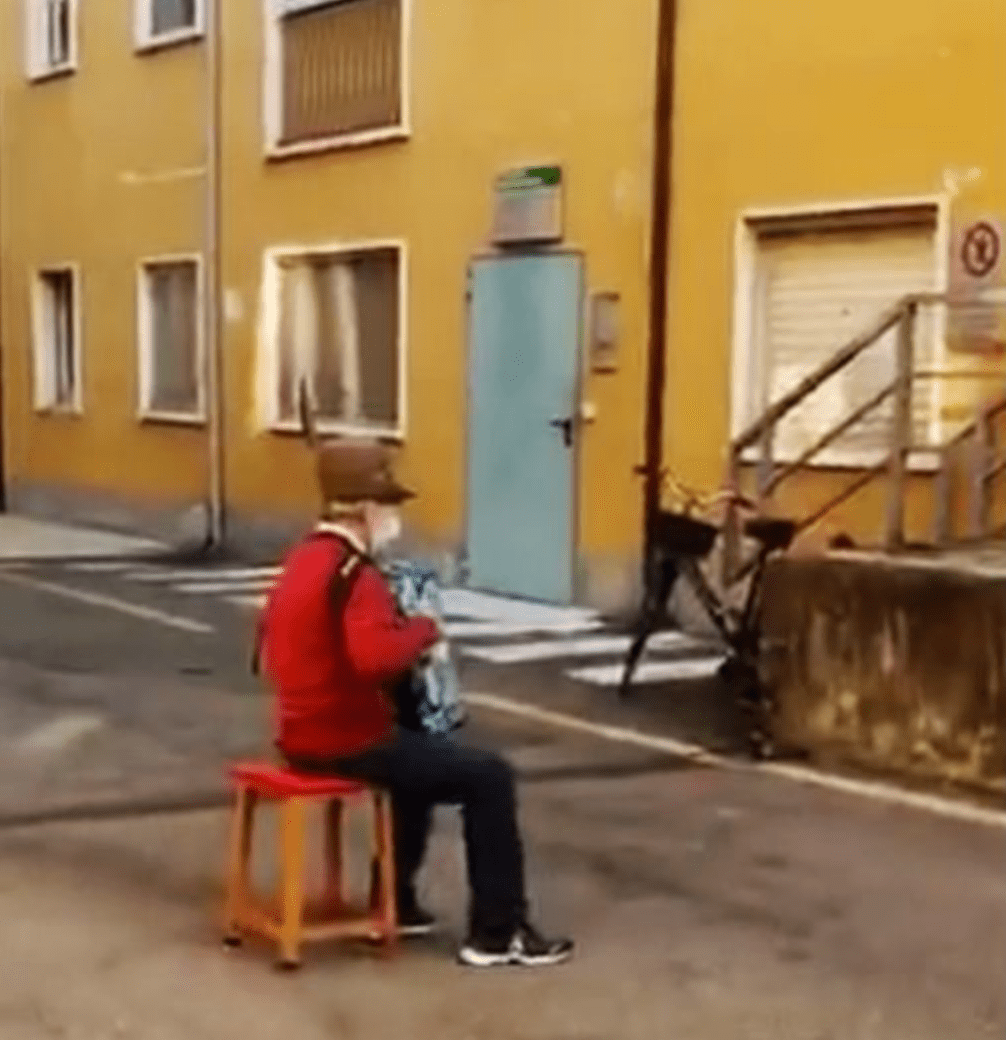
x: 329, y: 672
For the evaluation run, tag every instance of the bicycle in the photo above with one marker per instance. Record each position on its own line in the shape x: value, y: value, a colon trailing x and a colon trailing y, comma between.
x: 679, y: 544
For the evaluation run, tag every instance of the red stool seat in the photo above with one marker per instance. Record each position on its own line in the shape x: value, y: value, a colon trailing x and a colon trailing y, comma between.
x: 274, y: 781
x: 287, y: 919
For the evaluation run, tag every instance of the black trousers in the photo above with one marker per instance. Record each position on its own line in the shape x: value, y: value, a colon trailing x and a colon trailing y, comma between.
x: 422, y: 771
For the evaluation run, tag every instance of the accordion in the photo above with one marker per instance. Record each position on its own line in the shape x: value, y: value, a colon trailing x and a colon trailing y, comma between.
x: 429, y: 697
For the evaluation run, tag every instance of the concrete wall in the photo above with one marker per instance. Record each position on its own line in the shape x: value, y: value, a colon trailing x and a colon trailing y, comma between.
x: 891, y: 665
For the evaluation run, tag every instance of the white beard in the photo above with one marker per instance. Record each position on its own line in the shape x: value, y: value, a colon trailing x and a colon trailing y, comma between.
x: 386, y: 531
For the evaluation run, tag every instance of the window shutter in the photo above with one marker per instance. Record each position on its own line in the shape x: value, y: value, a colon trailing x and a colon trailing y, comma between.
x: 818, y: 292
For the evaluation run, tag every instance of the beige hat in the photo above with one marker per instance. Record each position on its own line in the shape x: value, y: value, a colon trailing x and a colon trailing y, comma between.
x: 351, y: 470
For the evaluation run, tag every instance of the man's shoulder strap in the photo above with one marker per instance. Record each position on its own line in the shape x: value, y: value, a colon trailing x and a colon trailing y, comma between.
x: 340, y: 588
x: 346, y: 573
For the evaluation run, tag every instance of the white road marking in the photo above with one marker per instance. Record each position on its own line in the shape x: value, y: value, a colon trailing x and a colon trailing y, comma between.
x: 249, y: 602
x: 615, y: 734
x: 102, y: 566
x: 492, y: 629
x: 205, y: 574
x: 650, y: 671
x: 58, y: 734
x: 872, y: 791
x: 464, y: 603
x: 93, y: 599
x: 214, y: 588
x: 544, y: 650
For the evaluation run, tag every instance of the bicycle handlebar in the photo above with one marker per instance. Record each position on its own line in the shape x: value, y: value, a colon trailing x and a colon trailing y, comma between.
x: 693, y: 500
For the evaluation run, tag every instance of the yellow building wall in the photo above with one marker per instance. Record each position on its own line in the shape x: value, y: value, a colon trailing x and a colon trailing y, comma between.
x: 494, y: 86
x: 792, y: 103
x: 88, y: 177
x: 778, y: 104
x: 98, y: 169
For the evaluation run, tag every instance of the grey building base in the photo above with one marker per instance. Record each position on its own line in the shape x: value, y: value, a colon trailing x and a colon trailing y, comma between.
x: 611, y: 584
x: 179, y: 527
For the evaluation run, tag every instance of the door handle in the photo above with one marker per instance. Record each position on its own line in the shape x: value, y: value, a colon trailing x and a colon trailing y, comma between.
x: 566, y: 425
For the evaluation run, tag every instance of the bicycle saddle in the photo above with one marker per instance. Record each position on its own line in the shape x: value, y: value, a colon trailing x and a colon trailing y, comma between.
x: 681, y: 535
x: 775, y: 535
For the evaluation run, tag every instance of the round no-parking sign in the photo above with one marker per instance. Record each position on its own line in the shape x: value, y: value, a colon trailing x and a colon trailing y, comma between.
x: 981, y: 248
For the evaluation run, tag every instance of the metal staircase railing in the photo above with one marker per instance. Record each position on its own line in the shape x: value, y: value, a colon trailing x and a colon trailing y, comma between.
x: 978, y: 439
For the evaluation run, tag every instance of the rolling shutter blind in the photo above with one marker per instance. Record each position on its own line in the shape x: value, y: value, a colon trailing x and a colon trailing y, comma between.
x: 817, y: 292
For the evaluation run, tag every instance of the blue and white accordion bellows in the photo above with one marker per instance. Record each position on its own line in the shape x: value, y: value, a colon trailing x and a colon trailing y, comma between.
x: 435, y: 685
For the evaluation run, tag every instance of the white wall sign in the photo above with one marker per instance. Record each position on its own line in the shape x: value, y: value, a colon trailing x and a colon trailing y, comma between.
x: 977, y: 270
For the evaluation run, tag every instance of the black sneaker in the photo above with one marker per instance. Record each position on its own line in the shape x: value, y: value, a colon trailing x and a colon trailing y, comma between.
x: 526, y: 947
x: 414, y: 921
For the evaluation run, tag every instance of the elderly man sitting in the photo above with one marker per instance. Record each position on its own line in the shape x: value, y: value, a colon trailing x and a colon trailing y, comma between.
x: 333, y: 642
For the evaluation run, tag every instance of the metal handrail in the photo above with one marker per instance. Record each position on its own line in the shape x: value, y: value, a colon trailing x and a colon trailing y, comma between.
x: 810, y: 383
x: 829, y: 438
x: 841, y: 359
x: 902, y: 315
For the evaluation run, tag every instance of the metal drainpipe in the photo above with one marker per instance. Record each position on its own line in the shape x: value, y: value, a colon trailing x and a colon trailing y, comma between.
x: 663, y: 144
x: 3, y: 380
x: 212, y: 281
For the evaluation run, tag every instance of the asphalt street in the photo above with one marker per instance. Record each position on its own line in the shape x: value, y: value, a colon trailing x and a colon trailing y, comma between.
x: 708, y: 902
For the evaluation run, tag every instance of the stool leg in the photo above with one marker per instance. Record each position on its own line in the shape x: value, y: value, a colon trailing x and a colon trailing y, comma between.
x: 384, y: 840
x: 334, y: 899
x: 293, y: 856
x: 242, y: 829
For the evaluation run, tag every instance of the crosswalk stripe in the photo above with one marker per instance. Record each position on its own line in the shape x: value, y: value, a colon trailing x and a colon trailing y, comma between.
x: 500, y: 629
x: 554, y: 648
x: 650, y: 671
x: 214, y: 588
x: 58, y: 734
x: 111, y: 603
x: 481, y: 606
x: 168, y: 576
x: 248, y: 602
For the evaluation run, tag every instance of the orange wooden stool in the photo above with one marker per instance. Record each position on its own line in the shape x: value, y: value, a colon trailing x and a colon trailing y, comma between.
x: 291, y: 922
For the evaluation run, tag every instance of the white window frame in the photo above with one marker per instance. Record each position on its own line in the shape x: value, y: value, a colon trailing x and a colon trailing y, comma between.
x: 272, y: 92
x: 37, y: 66
x: 148, y: 40
x: 43, y: 365
x: 745, y: 363
x: 146, y: 413
x: 268, y: 363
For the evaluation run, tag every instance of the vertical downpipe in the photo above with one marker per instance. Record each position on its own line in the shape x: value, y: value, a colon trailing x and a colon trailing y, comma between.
x: 212, y: 280
x: 663, y: 143
x: 3, y: 373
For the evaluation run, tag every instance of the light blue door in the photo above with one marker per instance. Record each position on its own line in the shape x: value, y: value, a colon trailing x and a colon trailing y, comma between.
x: 523, y: 389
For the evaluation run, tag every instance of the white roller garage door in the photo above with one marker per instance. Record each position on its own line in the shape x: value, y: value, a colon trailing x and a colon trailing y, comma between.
x: 817, y: 290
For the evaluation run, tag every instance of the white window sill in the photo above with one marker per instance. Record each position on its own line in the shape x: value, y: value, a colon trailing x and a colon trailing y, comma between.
x: 155, y: 418
x: 277, y: 151
x: 175, y: 38
x: 52, y: 72
x: 56, y: 411
x: 333, y: 428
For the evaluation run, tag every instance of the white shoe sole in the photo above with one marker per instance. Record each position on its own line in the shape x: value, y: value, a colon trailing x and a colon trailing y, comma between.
x: 473, y: 958
x: 416, y: 931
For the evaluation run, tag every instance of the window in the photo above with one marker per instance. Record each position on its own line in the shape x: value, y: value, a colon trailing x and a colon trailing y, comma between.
x: 817, y: 281
x: 335, y: 72
x: 170, y: 340
x: 163, y: 22
x: 339, y: 324
x: 51, y: 37
x: 57, y: 341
